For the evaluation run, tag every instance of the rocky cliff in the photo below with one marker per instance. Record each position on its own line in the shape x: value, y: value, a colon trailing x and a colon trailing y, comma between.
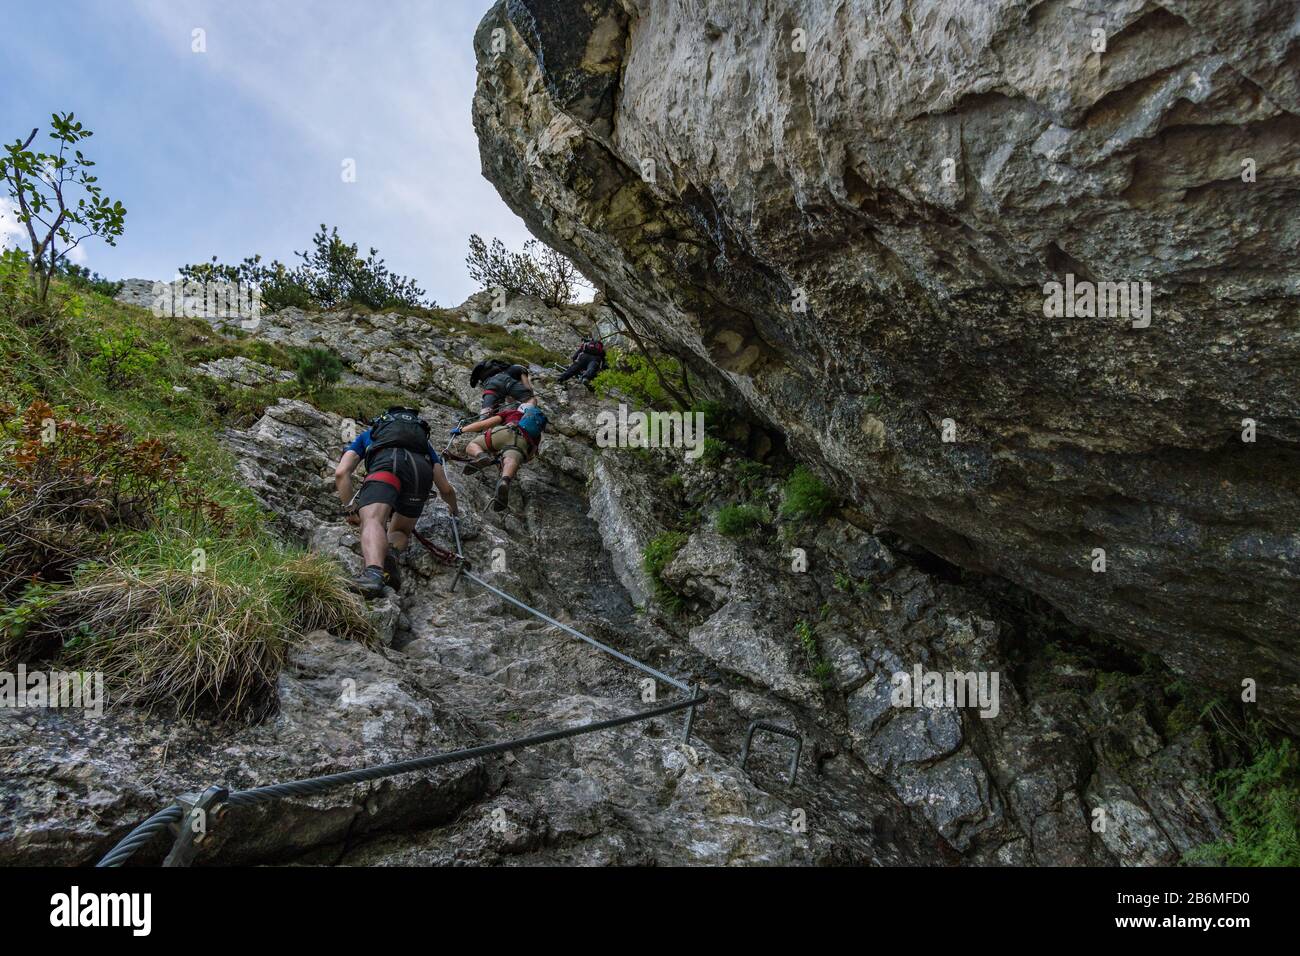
x: 1083, y: 733
x: 846, y: 216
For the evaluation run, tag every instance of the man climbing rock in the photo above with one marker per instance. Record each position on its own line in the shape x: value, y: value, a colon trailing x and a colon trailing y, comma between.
x: 511, y: 383
x: 512, y: 437
x: 588, y: 362
x: 401, y: 466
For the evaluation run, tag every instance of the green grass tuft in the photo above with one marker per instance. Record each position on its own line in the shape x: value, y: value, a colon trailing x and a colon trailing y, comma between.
x: 128, y: 543
x: 805, y: 496
x: 737, y: 520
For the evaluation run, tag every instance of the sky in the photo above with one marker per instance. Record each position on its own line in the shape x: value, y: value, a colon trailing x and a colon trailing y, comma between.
x: 241, y: 149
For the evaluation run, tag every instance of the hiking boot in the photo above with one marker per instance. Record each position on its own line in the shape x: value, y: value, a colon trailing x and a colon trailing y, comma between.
x: 392, y: 573
x: 501, y: 497
x: 478, y: 464
x: 370, y: 583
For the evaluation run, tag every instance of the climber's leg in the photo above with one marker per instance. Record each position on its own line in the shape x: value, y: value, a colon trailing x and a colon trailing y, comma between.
x: 374, y: 534
x: 479, y: 458
x: 511, y: 459
x: 510, y: 462
x: 374, y: 548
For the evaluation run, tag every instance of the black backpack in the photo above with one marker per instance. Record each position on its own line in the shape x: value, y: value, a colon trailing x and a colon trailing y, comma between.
x: 594, y: 347
x: 398, y: 428
x: 485, y: 369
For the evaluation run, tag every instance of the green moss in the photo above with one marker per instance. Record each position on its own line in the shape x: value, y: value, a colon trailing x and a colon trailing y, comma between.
x: 1111, y: 681
x: 1181, y: 718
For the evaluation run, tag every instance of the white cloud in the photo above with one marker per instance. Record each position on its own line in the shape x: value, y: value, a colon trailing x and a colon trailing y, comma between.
x: 12, y: 233
x: 390, y: 87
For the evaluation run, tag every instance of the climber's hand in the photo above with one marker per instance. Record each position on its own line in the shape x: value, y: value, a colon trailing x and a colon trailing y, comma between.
x: 456, y: 431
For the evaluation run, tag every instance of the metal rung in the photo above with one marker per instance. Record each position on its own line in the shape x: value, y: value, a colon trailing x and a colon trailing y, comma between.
x: 773, y: 729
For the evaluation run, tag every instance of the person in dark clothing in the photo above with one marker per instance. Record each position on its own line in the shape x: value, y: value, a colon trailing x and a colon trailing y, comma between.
x: 401, y: 470
x: 512, y: 384
x: 588, y: 362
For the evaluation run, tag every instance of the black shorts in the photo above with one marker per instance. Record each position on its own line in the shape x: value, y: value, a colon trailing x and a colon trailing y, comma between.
x: 501, y: 387
x: 413, y: 471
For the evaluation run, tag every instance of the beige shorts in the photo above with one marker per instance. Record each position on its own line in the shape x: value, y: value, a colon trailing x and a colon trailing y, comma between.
x: 505, y: 440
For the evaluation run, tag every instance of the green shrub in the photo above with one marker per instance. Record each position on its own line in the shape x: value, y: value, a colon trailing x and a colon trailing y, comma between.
x: 658, y: 554
x: 317, y: 367
x: 125, y: 357
x: 538, y: 271
x: 632, y: 374
x: 805, y: 496
x: 750, y: 474
x: 54, y: 196
x: 332, y: 273
x: 82, y: 278
x: 716, y: 416
x: 1261, y: 803
x: 737, y: 520
x: 713, y: 453
x: 660, y: 551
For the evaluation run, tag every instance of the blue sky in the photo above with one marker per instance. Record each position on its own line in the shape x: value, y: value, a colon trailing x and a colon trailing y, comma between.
x: 240, y: 149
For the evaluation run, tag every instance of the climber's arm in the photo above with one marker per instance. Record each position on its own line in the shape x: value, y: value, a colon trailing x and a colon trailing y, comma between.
x: 445, y: 490
x: 482, y: 424
x: 343, y: 475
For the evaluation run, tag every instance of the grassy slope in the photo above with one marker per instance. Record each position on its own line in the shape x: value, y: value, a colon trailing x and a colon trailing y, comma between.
x: 130, y: 601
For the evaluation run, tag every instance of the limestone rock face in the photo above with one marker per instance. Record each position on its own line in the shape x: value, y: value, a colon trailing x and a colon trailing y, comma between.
x: 1073, y: 730
x: 847, y: 216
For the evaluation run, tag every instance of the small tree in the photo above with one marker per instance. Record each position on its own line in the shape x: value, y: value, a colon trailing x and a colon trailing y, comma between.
x: 334, y: 273
x: 544, y: 274
x: 43, y: 187
x: 317, y: 368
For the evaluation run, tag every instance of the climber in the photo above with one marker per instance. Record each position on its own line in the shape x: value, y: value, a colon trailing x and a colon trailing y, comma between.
x: 400, y: 467
x: 501, y: 382
x: 588, y: 362
x: 511, y: 437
